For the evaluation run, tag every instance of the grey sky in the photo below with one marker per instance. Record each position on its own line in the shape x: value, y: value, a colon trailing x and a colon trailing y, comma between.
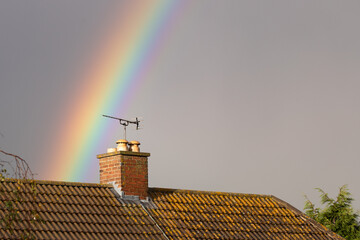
x: 245, y: 96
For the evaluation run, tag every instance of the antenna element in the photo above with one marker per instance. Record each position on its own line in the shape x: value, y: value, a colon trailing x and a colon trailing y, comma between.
x: 125, y: 123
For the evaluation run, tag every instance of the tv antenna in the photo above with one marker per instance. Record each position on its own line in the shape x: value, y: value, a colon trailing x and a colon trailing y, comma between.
x: 126, y: 123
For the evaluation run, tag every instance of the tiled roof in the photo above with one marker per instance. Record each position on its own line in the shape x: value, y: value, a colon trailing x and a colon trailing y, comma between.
x: 94, y: 211
x: 210, y: 215
x: 78, y: 211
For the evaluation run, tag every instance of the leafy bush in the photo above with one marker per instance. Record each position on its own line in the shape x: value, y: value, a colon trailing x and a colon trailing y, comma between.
x: 338, y: 214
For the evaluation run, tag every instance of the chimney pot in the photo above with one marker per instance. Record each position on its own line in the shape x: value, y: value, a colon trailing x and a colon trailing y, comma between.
x: 134, y: 146
x: 122, y: 145
x: 110, y: 150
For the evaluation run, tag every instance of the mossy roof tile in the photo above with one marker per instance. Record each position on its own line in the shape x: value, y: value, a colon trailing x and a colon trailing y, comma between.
x: 76, y: 211
x: 92, y: 211
x: 213, y: 215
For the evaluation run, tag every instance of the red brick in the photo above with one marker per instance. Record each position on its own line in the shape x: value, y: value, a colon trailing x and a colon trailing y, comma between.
x: 129, y: 172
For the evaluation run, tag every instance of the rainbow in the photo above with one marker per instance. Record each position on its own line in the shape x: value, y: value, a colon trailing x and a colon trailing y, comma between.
x: 126, y: 54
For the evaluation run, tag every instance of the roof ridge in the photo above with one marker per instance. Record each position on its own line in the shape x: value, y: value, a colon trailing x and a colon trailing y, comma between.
x: 156, y: 189
x: 60, y: 183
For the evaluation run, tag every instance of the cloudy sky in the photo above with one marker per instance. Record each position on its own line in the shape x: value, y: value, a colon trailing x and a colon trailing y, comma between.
x: 243, y: 96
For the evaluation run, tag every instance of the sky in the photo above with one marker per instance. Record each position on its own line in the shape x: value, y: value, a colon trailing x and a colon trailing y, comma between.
x: 236, y: 96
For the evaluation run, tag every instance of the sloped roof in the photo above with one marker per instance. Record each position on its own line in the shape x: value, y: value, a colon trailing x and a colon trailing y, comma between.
x: 78, y: 211
x: 95, y: 211
x: 214, y: 215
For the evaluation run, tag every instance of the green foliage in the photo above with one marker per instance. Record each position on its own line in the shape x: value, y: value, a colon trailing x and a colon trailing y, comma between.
x: 338, y: 214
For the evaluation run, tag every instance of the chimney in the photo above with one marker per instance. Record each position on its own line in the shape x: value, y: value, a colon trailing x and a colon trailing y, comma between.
x: 128, y: 170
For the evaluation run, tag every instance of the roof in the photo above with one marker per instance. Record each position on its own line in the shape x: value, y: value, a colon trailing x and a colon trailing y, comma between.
x: 215, y: 215
x: 79, y: 211
x: 95, y: 211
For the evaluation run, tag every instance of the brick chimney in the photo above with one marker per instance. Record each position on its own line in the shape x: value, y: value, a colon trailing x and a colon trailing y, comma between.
x: 128, y: 170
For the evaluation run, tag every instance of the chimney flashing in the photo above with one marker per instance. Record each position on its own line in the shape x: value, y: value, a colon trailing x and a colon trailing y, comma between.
x: 121, y: 194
